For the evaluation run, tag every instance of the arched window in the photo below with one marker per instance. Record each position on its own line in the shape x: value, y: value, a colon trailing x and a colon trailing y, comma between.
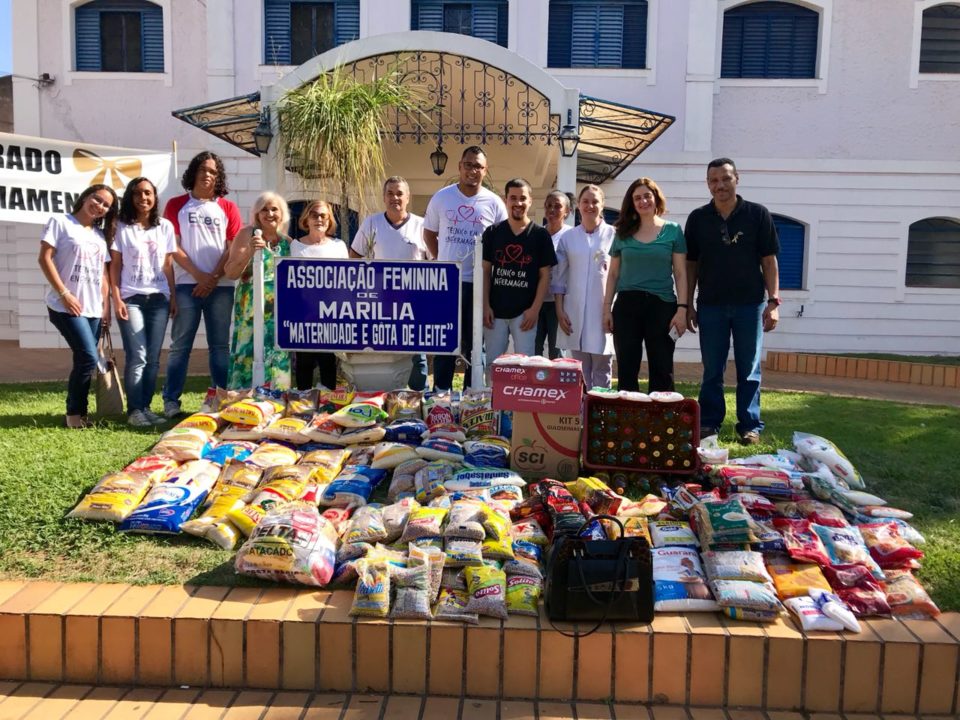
x: 769, y: 40
x: 940, y: 39
x: 597, y: 34
x: 933, y: 253
x: 484, y: 19
x: 793, y: 244
x: 119, y: 36
x: 294, y: 32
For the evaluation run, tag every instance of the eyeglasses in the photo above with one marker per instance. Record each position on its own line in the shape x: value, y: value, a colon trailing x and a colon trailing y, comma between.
x: 473, y: 166
x: 317, y: 216
x: 725, y: 234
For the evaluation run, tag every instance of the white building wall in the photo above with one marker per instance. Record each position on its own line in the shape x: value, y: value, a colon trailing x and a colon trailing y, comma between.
x: 856, y: 155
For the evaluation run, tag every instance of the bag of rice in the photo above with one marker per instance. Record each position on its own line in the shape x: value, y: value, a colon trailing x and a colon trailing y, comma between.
x: 237, y: 479
x: 360, y: 435
x: 230, y: 450
x: 171, y: 503
x: 216, y: 515
x: 408, y: 431
x: 289, y: 429
x: 113, y: 498
x: 452, y: 605
x: 250, y: 411
x: 210, y: 423
x: 480, y: 478
x: 328, y: 462
x: 372, y: 596
x: 183, y: 444
x: 440, y: 449
x: 423, y: 522
x: 496, y: 524
x: 353, y: 486
x: 155, y: 467
x: 487, y: 591
x: 270, y: 454
x: 679, y: 584
x: 293, y: 543
x: 523, y: 595
x: 672, y: 533
x: 746, y: 595
x: 824, y: 451
x: 323, y: 430
x: 735, y: 565
x: 412, y: 593
x: 358, y: 414
x: 388, y: 455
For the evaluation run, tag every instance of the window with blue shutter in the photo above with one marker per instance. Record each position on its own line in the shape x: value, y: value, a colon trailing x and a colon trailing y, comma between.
x: 294, y: 32
x: 597, y: 34
x: 118, y: 36
x: 933, y: 253
x: 940, y: 39
x: 484, y: 19
x: 769, y: 40
x: 792, y: 246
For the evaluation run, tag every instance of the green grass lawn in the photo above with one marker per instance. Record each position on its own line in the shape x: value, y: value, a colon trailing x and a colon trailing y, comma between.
x: 905, y: 452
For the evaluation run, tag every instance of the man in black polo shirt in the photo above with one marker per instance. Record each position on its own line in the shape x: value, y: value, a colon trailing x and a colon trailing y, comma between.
x: 517, y: 257
x: 732, y: 251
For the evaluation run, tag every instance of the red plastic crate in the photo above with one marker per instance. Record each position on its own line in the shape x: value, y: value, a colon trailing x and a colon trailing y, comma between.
x: 649, y: 437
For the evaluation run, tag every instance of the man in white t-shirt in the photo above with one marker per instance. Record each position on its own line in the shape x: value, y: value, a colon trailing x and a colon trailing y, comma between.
x: 205, y: 222
x: 456, y: 217
x: 395, y: 234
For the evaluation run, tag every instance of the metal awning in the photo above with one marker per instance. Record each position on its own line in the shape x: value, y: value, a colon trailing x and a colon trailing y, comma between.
x: 232, y: 120
x: 612, y: 135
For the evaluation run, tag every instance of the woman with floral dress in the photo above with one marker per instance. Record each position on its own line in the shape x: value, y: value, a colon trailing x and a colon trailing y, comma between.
x: 271, y: 216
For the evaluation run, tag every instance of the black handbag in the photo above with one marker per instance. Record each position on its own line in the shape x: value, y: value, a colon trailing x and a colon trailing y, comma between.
x: 599, y: 580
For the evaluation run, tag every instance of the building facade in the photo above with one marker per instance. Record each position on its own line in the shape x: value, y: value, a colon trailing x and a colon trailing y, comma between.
x: 843, y: 117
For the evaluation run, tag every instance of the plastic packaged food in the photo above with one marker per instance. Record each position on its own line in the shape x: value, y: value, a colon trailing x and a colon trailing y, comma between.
x: 387, y: 455
x: 171, y: 503
x: 523, y: 595
x: 358, y: 415
x: 907, y: 598
x: 672, y: 533
x: 372, y: 596
x: 366, y: 526
x: 113, y: 498
x: 452, y: 605
x: 353, y: 486
x: 250, y: 411
x: 735, y: 565
x: 793, y: 580
x: 679, y: 584
x: 423, y: 522
x: 487, y: 591
x: 270, y: 454
x: 183, y: 444
x: 412, y: 593
x: 745, y: 594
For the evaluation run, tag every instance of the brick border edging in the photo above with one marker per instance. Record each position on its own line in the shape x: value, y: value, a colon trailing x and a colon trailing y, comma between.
x: 946, y: 376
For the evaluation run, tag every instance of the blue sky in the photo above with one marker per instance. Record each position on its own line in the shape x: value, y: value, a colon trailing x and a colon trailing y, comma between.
x: 6, y: 39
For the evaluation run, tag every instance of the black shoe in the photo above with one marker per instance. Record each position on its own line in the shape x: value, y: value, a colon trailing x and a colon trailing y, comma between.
x: 708, y: 431
x: 750, y: 437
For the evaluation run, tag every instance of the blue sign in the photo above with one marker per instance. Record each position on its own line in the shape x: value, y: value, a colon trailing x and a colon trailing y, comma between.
x: 376, y: 305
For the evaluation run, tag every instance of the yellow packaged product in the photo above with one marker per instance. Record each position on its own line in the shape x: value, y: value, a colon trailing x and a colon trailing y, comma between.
x: 327, y: 463
x: 236, y: 479
x: 237, y: 432
x: 331, y: 400
x: 114, y: 497
x: 216, y: 512
x: 372, y: 596
x: 246, y: 517
x: 793, y: 580
x: 210, y: 423
x: 632, y: 527
x: 182, y: 444
x: 224, y: 534
x: 220, y: 398
x: 270, y: 454
x: 250, y: 411
x: 155, y: 467
x: 289, y: 429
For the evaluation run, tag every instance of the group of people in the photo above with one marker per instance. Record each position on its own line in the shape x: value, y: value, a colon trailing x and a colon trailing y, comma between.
x: 594, y: 290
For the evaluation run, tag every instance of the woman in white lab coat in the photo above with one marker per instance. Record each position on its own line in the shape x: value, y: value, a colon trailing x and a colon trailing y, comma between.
x: 583, y: 259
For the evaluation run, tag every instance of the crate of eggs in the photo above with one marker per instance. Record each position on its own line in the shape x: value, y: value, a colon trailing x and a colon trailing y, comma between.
x: 656, y: 433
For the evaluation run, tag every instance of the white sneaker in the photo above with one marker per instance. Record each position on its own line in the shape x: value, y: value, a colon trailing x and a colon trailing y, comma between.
x: 154, y: 418
x: 171, y: 409
x: 138, y: 419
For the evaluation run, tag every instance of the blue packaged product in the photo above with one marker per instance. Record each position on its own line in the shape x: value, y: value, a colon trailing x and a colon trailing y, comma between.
x: 166, y: 507
x: 229, y: 450
x: 593, y: 531
x: 506, y: 423
x: 353, y: 486
x: 405, y: 431
x: 483, y: 454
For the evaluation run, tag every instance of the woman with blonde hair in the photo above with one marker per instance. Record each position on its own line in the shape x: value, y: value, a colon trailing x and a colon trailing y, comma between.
x: 648, y: 256
x: 320, y: 241
x: 583, y: 259
x: 271, y: 216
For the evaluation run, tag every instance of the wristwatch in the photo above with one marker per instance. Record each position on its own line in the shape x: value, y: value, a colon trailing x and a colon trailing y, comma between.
x: 773, y: 299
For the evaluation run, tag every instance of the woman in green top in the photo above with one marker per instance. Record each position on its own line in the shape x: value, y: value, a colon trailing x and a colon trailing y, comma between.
x: 271, y: 216
x: 648, y: 256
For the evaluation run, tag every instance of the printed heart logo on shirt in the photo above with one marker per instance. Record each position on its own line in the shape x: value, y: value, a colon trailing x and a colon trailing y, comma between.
x: 513, y: 254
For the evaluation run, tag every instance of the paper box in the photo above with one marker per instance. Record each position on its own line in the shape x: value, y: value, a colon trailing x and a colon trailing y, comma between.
x: 546, y: 445
x: 550, y: 388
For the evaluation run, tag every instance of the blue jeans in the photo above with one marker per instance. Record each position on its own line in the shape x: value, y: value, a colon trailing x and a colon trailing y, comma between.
x: 82, y: 335
x: 495, y: 339
x: 717, y: 324
x: 142, y: 337
x: 217, y: 309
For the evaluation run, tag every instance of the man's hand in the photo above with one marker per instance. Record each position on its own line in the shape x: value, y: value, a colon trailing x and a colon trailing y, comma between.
x: 529, y: 320
x: 488, y: 317
x: 205, y: 285
x: 771, y: 316
x: 563, y: 320
x: 692, y: 321
x: 122, y: 313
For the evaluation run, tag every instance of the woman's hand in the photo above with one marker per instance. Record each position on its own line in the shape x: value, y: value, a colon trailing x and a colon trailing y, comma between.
x: 679, y: 321
x: 122, y: 313
x: 607, y: 320
x: 72, y: 304
x: 173, y: 305
x: 563, y: 320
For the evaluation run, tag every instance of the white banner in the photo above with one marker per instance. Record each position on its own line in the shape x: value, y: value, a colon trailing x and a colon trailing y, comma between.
x: 41, y: 177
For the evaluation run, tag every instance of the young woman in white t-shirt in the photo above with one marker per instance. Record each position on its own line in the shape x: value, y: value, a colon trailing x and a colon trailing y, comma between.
x: 320, y: 242
x: 73, y: 258
x: 141, y: 276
